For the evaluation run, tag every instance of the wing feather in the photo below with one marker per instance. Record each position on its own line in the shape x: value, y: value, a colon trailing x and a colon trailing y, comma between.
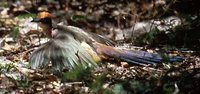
x: 63, y: 52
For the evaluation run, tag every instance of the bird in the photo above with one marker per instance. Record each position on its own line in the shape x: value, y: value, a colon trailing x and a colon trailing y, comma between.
x: 70, y: 47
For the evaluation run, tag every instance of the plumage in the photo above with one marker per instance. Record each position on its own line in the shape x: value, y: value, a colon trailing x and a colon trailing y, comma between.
x: 65, y: 50
x: 71, y: 46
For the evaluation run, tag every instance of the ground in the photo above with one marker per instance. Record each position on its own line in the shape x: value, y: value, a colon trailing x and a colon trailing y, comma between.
x: 108, y: 18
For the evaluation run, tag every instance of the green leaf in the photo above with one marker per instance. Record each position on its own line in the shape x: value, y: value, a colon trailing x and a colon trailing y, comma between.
x: 75, y: 18
x: 77, y: 74
x: 26, y: 16
x: 118, y: 89
x: 15, y: 32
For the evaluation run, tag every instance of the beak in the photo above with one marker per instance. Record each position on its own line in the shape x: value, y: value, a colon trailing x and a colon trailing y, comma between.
x: 36, y: 20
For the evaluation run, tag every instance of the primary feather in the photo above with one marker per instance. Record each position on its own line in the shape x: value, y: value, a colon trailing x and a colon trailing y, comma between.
x: 63, y: 51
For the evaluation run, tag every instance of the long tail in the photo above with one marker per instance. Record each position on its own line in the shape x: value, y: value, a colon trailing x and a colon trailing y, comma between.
x: 131, y: 56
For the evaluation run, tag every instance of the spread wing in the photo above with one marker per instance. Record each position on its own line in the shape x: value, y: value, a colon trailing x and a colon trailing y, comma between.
x: 63, y: 52
x: 81, y: 35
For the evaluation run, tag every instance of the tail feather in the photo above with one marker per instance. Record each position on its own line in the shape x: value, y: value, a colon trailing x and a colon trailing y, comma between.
x: 138, y: 57
x: 141, y: 57
x: 135, y: 57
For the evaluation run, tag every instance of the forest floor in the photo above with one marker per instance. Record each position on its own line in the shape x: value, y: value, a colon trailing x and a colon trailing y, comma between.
x: 112, y: 20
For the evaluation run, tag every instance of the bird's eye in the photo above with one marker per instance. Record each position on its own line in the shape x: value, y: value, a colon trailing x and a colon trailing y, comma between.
x: 45, y: 20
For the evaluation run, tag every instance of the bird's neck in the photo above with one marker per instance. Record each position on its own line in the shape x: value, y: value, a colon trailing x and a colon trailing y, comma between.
x: 47, y: 30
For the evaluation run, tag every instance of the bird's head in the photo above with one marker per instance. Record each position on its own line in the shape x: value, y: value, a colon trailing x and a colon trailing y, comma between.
x: 44, y: 20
